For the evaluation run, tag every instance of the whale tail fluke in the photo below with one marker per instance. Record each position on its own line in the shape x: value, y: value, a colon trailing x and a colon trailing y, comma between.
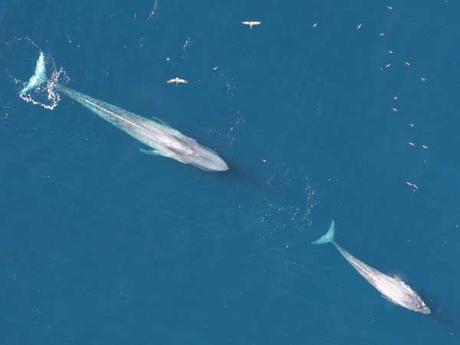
x: 328, y: 237
x: 39, y: 77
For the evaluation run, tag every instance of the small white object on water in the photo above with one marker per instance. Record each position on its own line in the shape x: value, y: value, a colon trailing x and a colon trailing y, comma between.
x: 411, y: 125
x: 389, y: 7
x: 381, y: 34
x: 264, y: 161
x: 187, y: 43
x: 412, y: 185
x: 215, y: 68
x: 251, y: 23
x: 359, y: 26
x: 388, y: 65
x: 424, y: 147
x: 168, y: 59
x: 407, y: 63
x: 411, y: 143
x: 153, y: 11
x: 177, y: 81
x: 390, y: 51
x: 314, y: 25
x: 395, y: 98
x: 394, y: 109
x: 423, y: 79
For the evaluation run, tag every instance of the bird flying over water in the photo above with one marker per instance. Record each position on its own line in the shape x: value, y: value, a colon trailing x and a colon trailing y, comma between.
x: 176, y: 81
x: 251, y: 23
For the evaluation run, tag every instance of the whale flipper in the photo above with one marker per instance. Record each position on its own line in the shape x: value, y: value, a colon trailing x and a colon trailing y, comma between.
x: 163, y: 153
x: 150, y: 152
x: 39, y: 77
x: 328, y: 237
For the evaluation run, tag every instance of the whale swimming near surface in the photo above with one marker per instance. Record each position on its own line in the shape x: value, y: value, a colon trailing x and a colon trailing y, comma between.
x: 391, y: 287
x: 161, y: 139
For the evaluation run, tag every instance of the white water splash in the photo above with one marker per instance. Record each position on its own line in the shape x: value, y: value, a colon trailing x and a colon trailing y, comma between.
x: 154, y: 10
x: 52, y: 96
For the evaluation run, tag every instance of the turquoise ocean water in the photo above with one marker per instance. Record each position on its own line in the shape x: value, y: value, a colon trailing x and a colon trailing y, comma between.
x: 328, y: 109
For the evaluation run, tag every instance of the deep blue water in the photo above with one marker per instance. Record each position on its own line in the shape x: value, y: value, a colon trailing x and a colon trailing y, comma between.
x: 101, y: 244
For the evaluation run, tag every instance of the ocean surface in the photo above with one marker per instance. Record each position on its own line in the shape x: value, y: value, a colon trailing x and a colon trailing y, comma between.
x: 345, y: 110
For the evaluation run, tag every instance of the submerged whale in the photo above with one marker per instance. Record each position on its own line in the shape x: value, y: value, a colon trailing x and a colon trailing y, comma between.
x: 391, y: 287
x: 161, y: 139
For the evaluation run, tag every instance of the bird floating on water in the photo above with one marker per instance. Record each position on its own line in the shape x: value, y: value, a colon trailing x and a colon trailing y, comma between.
x: 251, y: 23
x: 176, y: 81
